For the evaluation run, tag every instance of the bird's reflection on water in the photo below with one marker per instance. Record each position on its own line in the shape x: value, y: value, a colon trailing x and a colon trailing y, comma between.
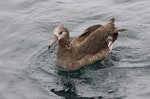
x: 69, y: 90
x: 103, y: 84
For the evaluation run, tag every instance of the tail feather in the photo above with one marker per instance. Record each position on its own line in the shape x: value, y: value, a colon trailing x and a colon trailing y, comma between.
x: 119, y: 30
x: 113, y: 19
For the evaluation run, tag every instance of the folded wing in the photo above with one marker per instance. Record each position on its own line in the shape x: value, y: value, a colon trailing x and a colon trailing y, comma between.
x: 95, y: 39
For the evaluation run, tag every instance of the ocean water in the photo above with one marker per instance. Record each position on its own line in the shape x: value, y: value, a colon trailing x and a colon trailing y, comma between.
x: 27, y: 67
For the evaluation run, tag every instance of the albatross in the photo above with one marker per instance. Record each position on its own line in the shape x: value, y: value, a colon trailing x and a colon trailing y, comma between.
x: 94, y: 44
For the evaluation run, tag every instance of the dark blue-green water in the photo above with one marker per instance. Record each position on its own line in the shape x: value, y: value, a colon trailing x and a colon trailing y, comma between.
x: 27, y: 67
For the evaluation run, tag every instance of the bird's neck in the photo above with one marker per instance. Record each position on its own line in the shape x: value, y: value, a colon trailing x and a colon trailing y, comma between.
x: 63, y: 50
x: 64, y: 43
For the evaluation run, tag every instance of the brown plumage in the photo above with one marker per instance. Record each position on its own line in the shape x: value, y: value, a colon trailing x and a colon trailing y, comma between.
x: 92, y: 45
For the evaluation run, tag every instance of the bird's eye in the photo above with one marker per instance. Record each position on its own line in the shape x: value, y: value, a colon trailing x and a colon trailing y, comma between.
x: 60, y: 32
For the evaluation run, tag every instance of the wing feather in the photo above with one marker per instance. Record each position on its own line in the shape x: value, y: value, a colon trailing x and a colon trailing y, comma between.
x: 95, y: 42
x: 86, y: 33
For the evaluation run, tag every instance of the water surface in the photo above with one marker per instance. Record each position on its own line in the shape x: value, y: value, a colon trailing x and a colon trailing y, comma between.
x: 27, y: 67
